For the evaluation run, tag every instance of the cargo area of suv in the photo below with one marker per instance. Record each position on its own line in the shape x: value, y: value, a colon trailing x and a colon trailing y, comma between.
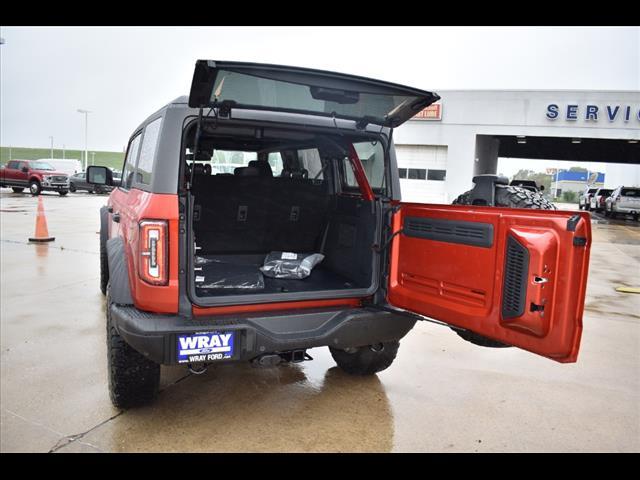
x: 257, y: 190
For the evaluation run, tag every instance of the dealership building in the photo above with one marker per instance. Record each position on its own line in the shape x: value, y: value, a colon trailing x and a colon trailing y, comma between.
x: 442, y: 148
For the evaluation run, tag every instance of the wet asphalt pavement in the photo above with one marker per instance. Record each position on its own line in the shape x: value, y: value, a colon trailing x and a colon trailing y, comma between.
x: 441, y: 394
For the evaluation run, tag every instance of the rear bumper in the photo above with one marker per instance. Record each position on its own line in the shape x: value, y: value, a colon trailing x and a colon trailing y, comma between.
x: 627, y: 210
x: 155, y: 335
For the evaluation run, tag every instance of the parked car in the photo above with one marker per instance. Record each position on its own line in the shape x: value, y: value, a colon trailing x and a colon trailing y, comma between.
x: 584, y: 200
x: 183, y: 249
x: 598, y: 199
x: 35, y: 175
x: 68, y: 166
x: 623, y: 201
x: 79, y: 182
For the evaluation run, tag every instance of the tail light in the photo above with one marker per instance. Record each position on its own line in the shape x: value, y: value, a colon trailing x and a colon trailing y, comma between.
x: 153, y: 255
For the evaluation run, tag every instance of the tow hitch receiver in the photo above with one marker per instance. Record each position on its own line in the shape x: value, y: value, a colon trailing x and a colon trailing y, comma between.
x: 273, y: 359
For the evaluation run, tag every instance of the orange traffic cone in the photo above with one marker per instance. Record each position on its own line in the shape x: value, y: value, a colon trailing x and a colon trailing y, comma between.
x: 42, y: 233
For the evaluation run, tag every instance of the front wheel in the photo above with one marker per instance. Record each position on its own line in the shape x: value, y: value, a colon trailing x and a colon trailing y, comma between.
x: 366, y: 360
x: 35, y: 188
x: 72, y: 188
x: 133, y: 379
x: 17, y: 189
x: 62, y: 193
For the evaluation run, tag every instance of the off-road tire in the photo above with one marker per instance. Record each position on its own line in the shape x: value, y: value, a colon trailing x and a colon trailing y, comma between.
x: 133, y: 378
x: 510, y: 197
x: 35, y: 188
x: 104, y: 262
x: 366, y: 360
x: 17, y: 189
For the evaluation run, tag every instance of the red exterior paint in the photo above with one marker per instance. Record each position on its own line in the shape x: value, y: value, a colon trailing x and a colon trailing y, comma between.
x: 134, y: 206
x: 361, y: 176
x: 462, y: 285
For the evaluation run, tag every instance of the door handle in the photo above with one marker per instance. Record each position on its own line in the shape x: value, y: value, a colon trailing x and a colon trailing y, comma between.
x: 116, y: 217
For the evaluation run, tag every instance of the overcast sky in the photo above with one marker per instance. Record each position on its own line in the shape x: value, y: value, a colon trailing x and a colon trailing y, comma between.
x: 123, y: 74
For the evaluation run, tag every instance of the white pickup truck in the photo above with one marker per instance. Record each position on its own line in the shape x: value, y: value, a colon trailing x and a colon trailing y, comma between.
x: 623, y: 201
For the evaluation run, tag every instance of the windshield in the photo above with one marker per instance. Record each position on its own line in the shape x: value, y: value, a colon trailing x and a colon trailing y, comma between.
x: 593, y: 190
x: 605, y: 192
x: 41, y: 166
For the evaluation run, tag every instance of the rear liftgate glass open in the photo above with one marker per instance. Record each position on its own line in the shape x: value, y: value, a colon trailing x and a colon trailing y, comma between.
x: 258, y: 191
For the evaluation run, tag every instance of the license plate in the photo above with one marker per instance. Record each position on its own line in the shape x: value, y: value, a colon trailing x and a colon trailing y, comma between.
x: 205, y: 347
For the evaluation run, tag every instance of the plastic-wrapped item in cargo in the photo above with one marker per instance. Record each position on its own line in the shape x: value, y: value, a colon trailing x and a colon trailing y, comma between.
x: 290, y: 265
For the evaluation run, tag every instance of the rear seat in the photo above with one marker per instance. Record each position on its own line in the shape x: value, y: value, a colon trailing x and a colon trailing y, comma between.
x: 249, y: 213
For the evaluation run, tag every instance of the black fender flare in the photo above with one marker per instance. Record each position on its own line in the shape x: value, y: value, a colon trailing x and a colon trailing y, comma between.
x: 118, y: 272
x: 104, y: 225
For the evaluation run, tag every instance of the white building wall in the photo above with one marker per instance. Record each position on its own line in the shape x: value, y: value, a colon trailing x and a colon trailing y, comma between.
x: 422, y: 157
x: 617, y: 174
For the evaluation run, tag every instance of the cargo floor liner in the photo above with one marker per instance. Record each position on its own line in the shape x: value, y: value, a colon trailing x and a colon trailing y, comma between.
x: 218, y: 266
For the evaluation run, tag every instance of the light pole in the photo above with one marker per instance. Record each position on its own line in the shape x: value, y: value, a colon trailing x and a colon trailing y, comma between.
x: 51, y: 138
x: 86, y: 130
x: 93, y: 156
x: 63, y: 147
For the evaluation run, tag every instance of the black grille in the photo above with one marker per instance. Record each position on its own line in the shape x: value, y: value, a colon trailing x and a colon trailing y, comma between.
x: 516, y: 272
x: 452, y: 231
x: 59, y: 179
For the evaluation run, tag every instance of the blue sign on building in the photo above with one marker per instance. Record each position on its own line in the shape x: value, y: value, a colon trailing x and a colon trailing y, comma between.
x: 567, y: 176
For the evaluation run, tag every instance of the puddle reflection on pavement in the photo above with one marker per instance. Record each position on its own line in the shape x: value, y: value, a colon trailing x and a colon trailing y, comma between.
x: 237, y: 407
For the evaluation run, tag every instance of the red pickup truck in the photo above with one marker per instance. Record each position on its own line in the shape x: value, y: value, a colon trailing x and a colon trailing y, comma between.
x: 35, y: 175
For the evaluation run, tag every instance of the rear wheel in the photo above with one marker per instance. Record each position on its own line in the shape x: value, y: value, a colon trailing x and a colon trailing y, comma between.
x: 133, y: 378
x: 366, y: 360
x: 510, y: 197
x: 17, y: 189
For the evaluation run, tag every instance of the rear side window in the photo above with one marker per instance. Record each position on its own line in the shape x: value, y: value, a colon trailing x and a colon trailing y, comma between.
x: 371, y: 155
x: 275, y: 160
x: 310, y: 160
x: 130, y: 162
x: 630, y: 192
x: 148, y: 151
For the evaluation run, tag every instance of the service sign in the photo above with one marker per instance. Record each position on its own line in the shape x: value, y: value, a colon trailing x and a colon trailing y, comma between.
x: 432, y: 112
x: 205, y: 347
x: 593, y: 113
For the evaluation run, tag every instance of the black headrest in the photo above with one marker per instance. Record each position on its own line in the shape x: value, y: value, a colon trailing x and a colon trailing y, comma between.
x: 302, y: 173
x: 199, y: 169
x: 262, y: 166
x: 246, y: 172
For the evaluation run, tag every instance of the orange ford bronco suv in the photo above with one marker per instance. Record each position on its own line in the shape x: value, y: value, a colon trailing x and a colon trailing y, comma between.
x: 261, y: 217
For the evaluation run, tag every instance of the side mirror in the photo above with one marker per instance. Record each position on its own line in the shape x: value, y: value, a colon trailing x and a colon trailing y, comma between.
x: 99, y: 176
x: 25, y: 169
x: 541, y: 188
